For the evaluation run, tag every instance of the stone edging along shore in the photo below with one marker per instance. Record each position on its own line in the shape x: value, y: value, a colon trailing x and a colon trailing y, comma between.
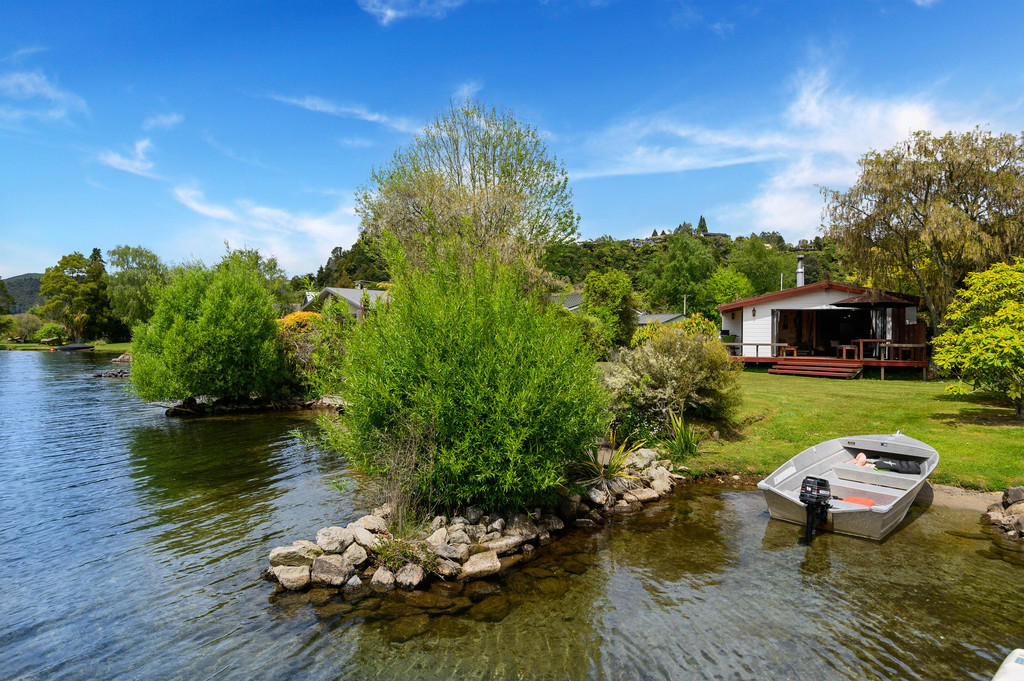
x: 470, y: 546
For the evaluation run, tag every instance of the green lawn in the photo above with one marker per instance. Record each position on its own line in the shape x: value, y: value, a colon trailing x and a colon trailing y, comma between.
x: 109, y: 347
x: 980, y: 442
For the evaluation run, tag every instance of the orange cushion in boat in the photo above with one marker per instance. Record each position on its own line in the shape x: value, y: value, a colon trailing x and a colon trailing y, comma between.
x: 860, y: 500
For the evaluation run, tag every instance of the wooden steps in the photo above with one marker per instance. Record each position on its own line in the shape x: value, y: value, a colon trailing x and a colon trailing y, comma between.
x: 824, y: 367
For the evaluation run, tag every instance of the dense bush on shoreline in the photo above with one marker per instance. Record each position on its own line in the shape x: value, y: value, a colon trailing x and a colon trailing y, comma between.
x: 212, y: 333
x: 463, y: 390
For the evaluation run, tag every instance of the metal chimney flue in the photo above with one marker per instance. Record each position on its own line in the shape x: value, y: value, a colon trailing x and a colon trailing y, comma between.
x: 800, y: 270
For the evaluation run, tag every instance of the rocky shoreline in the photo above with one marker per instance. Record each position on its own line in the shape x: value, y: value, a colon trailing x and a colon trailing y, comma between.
x: 1007, y: 519
x: 363, y: 557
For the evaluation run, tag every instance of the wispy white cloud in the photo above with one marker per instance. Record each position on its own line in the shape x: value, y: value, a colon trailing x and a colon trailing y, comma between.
x: 165, y: 121
x: 300, y: 241
x: 137, y: 163
x: 230, y: 153
x: 468, y: 90
x: 19, y: 55
x: 193, y: 199
x: 26, y: 95
x: 387, y: 11
x: 723, y: 29
x: 355, y: 142
x: 321, y: 105
x: 924, y: 3
x: 815, y: 140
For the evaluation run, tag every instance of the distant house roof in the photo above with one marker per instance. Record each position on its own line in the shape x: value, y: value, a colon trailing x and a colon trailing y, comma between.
x: 570, y: 301
x: 353, y: 296
x: 858, y: 291
x: 666, y: 318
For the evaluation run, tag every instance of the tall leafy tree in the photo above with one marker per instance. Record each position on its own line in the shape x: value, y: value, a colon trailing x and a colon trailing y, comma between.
x: 765, y: 267
x: 610, y: 298
x: 97, y: 300
x: 68, y: 294
x: 983, y: 335
x: 931, y: 210
x: 680, y: 274
x: 138, y: 276
x: 725, y: 286
x: 475, y: 173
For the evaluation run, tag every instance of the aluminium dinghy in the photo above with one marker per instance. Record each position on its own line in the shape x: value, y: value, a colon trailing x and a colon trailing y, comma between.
x: 861, y: 485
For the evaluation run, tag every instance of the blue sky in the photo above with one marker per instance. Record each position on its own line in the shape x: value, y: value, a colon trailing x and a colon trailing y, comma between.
x: 179, y: 125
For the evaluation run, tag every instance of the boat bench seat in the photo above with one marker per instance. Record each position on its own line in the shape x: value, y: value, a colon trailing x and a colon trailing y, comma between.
x: 872, y: 476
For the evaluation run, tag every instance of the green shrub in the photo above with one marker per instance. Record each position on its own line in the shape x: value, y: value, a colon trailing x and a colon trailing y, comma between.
x: 609, y: 296
x: 676, y: 371
x: 595, y: 335
x: 8, y: 327
x: 695, y: 323
x: 212, y: 333
x: 461, y: 390
x: 50, y: 330
x: 27, y: 323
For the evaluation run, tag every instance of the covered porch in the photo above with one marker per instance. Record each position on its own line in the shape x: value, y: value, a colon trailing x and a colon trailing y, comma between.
x: 822, y: 328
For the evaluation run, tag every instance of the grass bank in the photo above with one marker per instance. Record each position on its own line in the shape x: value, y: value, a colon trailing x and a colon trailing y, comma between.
x: 980, y: 442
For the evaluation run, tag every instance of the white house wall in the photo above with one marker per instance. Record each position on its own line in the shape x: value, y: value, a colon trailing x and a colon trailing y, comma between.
x: 757, y: 319
x: 757, y: 328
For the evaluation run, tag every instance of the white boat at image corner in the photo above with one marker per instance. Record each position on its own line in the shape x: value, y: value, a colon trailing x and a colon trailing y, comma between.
x: 881, y: 498
x: 1012, y: 668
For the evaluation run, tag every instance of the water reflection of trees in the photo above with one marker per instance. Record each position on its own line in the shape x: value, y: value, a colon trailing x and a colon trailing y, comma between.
x: 205, y: 478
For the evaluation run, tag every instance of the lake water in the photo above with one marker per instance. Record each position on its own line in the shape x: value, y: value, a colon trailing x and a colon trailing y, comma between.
x: 132, y: 545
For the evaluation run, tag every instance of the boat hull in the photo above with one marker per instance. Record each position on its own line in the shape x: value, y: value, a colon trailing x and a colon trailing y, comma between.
x: 891, y: 493
x: 858, y: 523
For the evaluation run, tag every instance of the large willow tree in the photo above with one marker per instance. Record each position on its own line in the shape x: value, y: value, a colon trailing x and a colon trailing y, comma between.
x: 475, y: 176
x: 931, y: 210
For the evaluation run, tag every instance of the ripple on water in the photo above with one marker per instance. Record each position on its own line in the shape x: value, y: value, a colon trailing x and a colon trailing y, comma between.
x: 135, y: 544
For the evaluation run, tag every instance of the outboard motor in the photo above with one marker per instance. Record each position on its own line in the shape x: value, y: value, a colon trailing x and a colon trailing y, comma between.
x: 815, y: 494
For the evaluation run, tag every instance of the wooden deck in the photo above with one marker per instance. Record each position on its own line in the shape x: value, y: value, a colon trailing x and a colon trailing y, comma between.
x: 830, y: 367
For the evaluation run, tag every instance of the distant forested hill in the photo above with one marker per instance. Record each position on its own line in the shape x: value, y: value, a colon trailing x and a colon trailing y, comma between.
x: 25, y: 289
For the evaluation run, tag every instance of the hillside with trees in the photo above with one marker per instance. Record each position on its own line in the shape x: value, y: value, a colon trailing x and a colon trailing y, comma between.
x: 24, y: 290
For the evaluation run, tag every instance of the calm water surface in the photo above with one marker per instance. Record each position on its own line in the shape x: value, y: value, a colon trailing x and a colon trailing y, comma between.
x: 132, y: 544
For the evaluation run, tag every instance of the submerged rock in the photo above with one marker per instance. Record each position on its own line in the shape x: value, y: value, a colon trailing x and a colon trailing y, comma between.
x: 405, y: 628
x: 491, y: 609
